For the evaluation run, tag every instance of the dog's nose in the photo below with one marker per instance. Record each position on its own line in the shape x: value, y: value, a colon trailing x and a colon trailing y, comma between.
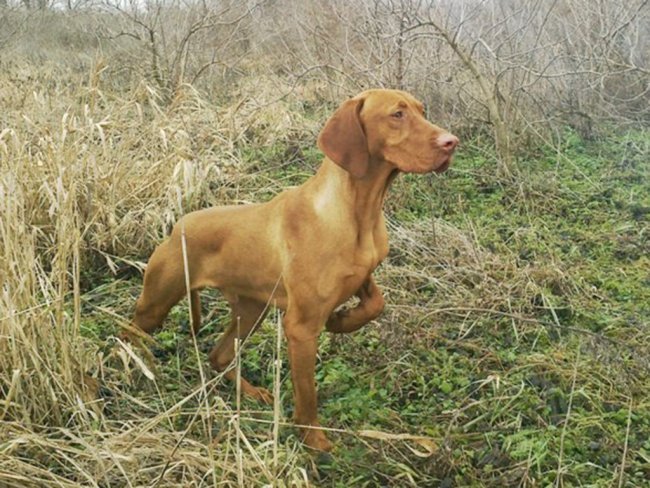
x: 448, y: 142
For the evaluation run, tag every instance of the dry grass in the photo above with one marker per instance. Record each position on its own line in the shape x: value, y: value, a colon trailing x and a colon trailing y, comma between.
x: 91, y: 177
x: 88, y: 179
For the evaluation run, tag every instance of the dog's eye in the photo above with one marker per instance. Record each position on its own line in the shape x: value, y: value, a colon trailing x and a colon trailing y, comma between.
x: 398, y: 115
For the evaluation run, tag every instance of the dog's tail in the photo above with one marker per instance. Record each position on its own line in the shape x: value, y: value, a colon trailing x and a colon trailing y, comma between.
x: 195, y: 304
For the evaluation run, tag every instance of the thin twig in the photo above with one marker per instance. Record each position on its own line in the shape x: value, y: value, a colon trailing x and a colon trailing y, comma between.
x: 558, y: 479
x: 621, y: 477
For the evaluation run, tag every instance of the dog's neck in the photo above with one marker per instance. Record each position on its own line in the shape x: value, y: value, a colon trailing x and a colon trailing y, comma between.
x: 363, y: 197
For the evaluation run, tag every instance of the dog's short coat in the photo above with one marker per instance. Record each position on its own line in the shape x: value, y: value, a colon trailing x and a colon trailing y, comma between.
x: 309, y: 249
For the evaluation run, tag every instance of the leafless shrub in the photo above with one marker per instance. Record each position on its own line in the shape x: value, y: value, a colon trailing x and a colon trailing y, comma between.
x: 522, y: 69
x: 183, y: 41
x: 519, y: 67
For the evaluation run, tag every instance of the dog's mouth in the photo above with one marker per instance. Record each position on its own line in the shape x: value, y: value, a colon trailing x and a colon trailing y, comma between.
x: 444, y: 166
x: 438, y: 166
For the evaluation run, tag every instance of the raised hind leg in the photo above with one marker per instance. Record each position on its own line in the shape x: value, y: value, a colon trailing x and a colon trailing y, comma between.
x: 247, y: 315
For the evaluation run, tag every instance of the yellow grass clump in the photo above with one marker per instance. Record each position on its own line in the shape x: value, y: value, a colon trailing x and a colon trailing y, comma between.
x: 88, y: 178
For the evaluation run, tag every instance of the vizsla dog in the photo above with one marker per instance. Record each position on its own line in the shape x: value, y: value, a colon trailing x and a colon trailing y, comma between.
x: 308, y: 250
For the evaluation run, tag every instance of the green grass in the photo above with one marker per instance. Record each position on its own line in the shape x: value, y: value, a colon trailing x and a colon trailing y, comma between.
x: 535, y: 371
x: 499, y: 397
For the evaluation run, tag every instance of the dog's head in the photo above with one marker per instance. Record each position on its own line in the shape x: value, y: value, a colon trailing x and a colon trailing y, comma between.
x: 385, y: 125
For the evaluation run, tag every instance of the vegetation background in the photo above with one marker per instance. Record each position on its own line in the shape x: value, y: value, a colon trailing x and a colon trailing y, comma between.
x: 514, y: 350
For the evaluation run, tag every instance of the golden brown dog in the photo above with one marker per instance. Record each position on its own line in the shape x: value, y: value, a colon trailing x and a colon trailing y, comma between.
x: 309, y: 249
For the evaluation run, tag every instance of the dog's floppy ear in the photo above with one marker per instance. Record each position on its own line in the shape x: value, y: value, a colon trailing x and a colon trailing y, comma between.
x: 343, y: 139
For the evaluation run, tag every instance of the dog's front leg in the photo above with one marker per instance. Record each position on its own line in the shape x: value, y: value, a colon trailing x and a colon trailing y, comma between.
x: 371, y: 304
x: 302, y: 337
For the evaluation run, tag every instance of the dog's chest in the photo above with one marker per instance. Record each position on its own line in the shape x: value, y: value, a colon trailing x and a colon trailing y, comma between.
x: 371, y: 247
x: 367, y: 254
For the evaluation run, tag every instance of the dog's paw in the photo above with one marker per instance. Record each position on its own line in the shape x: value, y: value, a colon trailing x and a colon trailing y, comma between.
x: 260, y: 394
x: 316, y: 439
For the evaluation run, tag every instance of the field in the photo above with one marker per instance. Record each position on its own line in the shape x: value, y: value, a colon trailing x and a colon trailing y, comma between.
x: 514, y: 349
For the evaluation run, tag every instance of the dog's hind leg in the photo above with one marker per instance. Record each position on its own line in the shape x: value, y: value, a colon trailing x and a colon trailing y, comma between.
x: 247, y: 315
x: 195, y: 304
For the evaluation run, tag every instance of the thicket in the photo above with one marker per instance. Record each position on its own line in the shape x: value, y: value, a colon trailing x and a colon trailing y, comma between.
x: 513, y: 351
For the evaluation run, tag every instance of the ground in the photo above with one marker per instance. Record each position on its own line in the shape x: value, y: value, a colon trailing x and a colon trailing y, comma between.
x: 513, y: 348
